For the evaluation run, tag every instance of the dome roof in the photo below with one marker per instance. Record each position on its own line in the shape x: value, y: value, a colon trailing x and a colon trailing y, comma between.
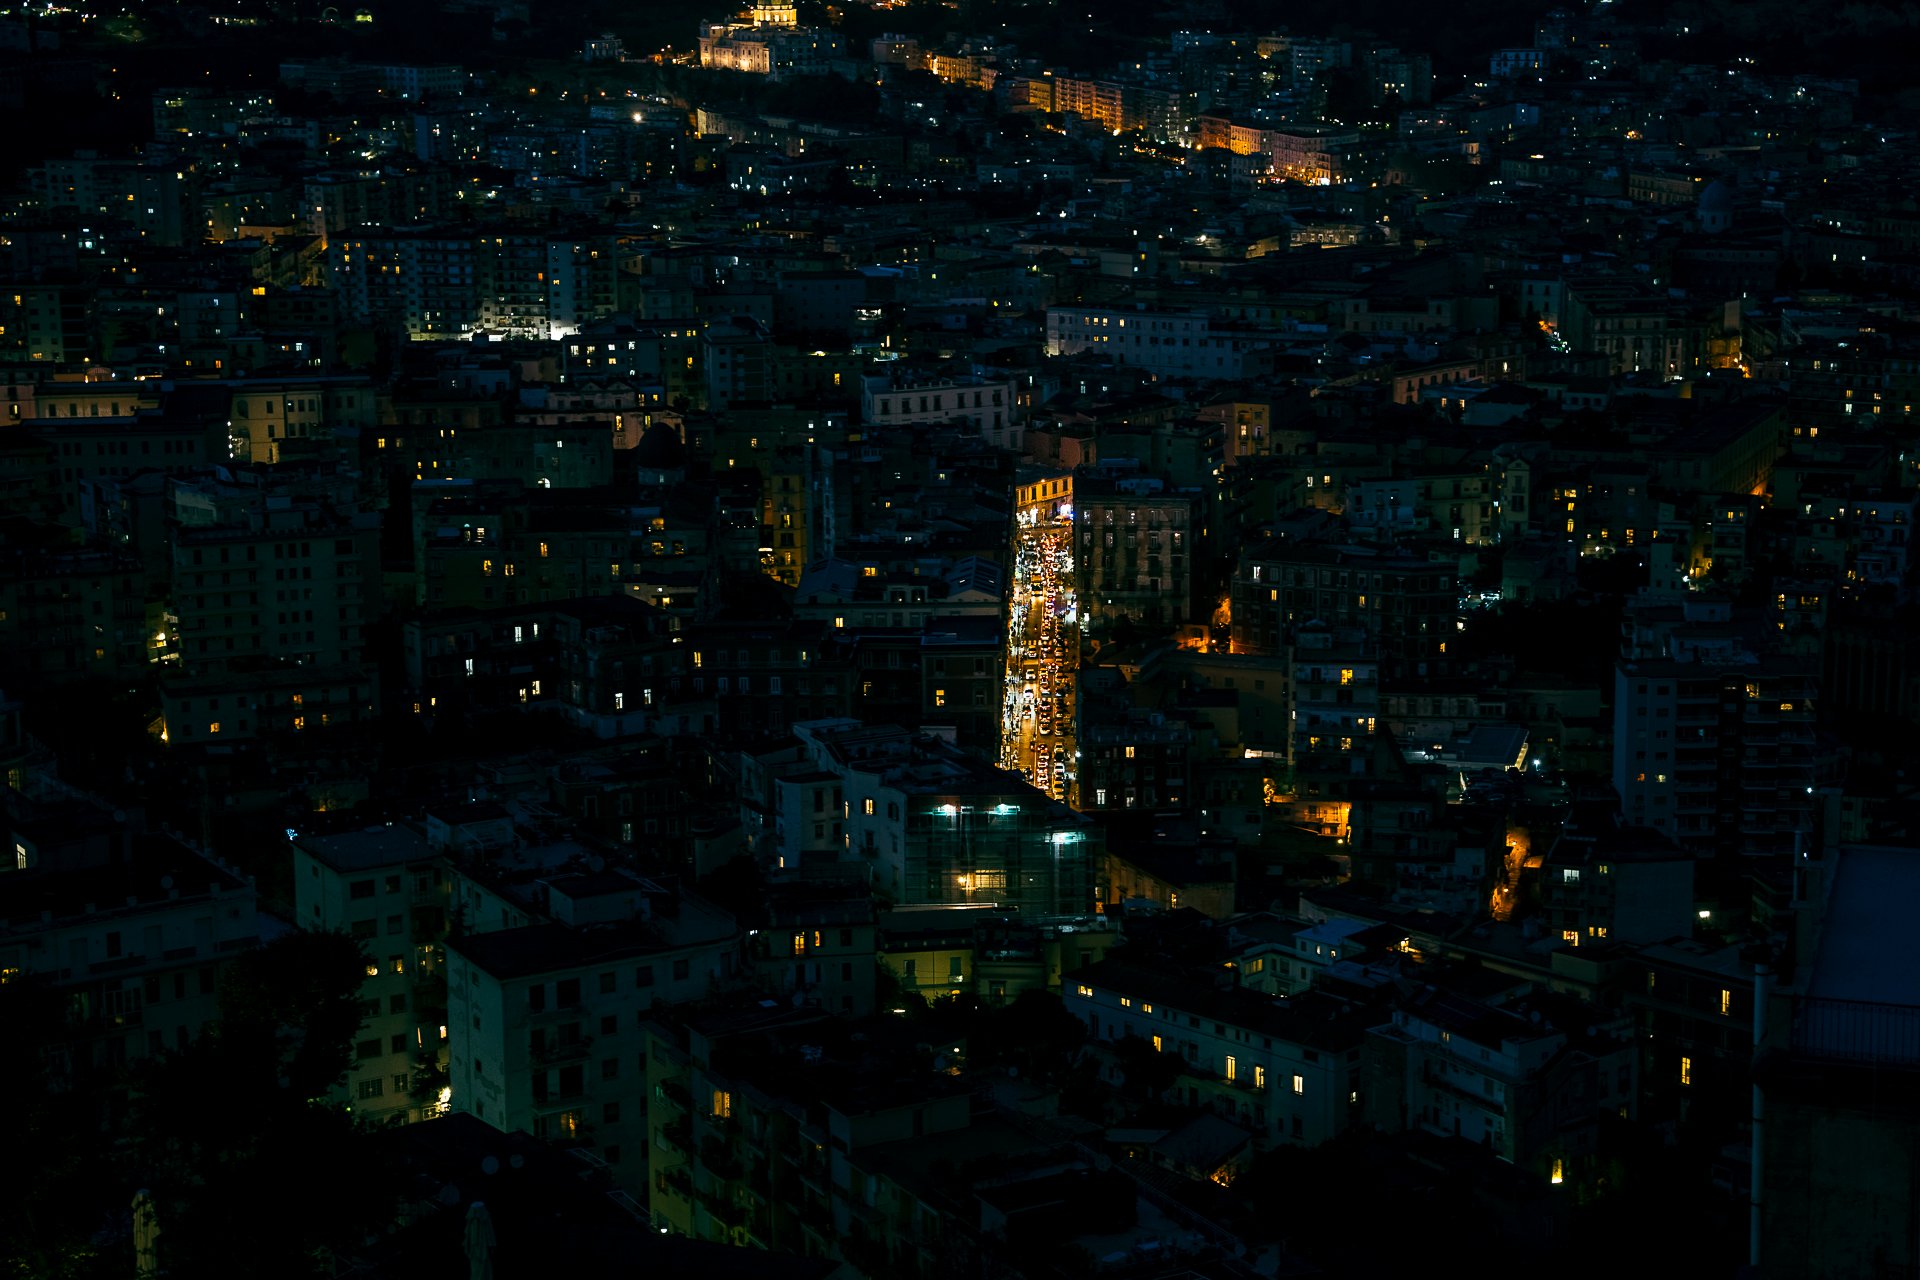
x: 660, y: 448
x: 1716, y: 198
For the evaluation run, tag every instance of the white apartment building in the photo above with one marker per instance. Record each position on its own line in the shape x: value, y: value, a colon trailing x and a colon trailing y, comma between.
x: 905, y: 400
x: 386, y: 887
x: 1173, y: 344
x: 548, y: 1017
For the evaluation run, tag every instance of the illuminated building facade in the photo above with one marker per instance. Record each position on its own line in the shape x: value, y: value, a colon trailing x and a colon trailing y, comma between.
x: 939, y: 828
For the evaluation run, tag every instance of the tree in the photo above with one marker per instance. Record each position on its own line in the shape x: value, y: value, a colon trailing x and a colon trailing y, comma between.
x: 51, y: 1201
x: 1147, y: 1073
x: 247, y: 1157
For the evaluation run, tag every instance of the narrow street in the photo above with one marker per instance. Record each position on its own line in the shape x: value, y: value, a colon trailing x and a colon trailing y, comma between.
x: 1043, y: 657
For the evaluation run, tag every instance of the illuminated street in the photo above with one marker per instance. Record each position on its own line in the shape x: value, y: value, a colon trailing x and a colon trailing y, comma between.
x: 1043, y: 655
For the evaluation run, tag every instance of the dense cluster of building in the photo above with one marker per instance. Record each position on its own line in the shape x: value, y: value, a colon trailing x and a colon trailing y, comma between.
x: 1381, y: 600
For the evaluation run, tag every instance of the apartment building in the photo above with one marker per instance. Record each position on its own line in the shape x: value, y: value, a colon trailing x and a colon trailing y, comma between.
x: 130, y: 927
x: 387, y: 888
x: 1507, y: 1078
x: 1287, y: 1070
x: 987, y: 405
x: 1175, y: 344
x: 938, y: 827
x: 550, y: 1014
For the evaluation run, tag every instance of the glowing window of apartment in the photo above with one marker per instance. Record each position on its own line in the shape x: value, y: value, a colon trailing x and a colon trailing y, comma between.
x: 1299, y: 1084
x: 1159, y: 1045
x: 1259, y: 1077
x: 1084, y: 990
x: 1346, y: 673
x: 722, y: 1104
x: 1129, y: 753
x: 1126, y: 1002
x: 867, y: 805
x: 1726, y: 1002
x: 1233, y: 1068
x: 1686, y: 1071
x: 799, y: 944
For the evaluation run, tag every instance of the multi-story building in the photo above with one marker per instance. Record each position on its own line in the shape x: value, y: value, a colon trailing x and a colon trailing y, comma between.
x: 131, y: 928
x: 268, y: 414
x: 1404, y: 607
x: 1136, y: 543
x: 768, y: 49
x: 1717, y: 753
x: 271, y: 579
x: 551, y: 1015
x: 937, y: 827
x: 67, y: 614
x: 1602, y: 881
x: 988, y: 405
x: 819, y: 947
x: 1177, y: 344
x: 1289, y: 1071
x: 1531, y: 1093
x: 775, y: 1128
x: 387, y: 888
x: 941, y: 951
x: 1335, y: 695
x: 1137, y: 761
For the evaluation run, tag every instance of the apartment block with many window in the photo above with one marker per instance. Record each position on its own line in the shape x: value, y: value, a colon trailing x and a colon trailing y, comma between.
x: 547, y: 1020
x: 1287, y: 1070
x: 387, y: 888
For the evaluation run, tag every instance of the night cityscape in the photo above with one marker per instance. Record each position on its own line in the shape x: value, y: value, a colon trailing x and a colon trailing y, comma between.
x: 959, y: 639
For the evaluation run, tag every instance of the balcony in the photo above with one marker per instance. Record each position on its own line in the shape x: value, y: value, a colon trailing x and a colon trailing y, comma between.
x: 721, y: 1159
x: 560, y: 1051
x: 721, y: 1209
x: 678, y: 1134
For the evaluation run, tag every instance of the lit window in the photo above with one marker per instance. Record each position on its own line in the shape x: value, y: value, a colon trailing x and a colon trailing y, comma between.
x: 1129, y: 753
x: 1726, y: 1002
x: 1159, y: 1046
x: 1233, y: 1068
x: 1259, y: 1077
x: 214, y: 727
x: 1559, y: 1171
x: 1686, y: 1071
x: 868, y: 806
x: 1300, y: 1084
x: 722, y: 1104
x: 1084, y: 990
